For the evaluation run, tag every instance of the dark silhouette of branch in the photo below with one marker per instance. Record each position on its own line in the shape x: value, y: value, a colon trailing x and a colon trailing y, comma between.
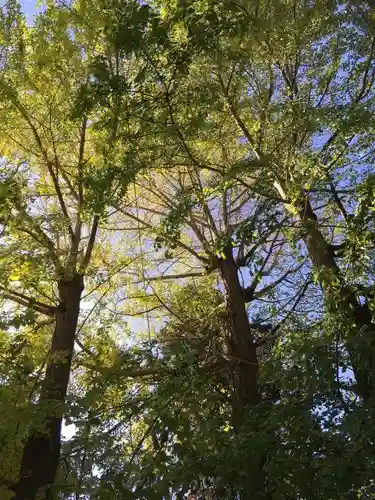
x: 26, y: 301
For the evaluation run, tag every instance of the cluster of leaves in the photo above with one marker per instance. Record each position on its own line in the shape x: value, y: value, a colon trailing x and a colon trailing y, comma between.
x: 233, y: 133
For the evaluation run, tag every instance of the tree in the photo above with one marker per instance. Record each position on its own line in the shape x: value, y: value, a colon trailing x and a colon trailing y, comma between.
x: 61, y: 162
x: 268, y: 72
x: 204, y: 170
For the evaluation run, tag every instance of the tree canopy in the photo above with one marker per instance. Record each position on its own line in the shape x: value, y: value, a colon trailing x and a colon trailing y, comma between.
x: 187, y: 250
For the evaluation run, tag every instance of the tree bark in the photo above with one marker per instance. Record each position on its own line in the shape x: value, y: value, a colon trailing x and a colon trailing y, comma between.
x: 242, y: 348
x: 245, y: 369
x: 360, y: 341
x: 41, y: 453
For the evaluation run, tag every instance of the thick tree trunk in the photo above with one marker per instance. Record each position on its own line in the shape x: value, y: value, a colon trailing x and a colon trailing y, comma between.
x: 41, y: 452
x: 242, y: 349
x: 360, y: 341
x: 244, y: 364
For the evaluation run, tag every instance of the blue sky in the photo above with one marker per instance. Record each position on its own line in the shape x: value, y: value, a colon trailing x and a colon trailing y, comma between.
x: 30, y: 8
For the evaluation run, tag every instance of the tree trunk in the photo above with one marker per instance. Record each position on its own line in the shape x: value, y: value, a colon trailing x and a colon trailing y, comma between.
x: 41, y: 452
x: 244, y: 363
x: 360, y: 342
x: 242, y: 349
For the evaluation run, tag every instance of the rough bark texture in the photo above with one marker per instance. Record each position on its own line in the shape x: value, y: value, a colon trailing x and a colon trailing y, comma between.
x: 360, y: 341
x: 242, y: 346
x: 245, y: 368
x: 41, y: 452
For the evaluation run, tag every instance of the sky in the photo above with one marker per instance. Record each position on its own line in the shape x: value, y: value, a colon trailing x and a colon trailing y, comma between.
x: 30, y: 8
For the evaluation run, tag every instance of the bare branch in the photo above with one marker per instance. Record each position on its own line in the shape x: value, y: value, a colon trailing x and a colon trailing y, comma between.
x: 225, y: 209
x: 337, y: 200
x: 250, y: 290
x: 234, y: 113
x: 206, y: 210
x: 267, y: 288
x: 365, y: 87
x: 60, y: 197
x: 72, y: 190
x: 166, y: 237
x: 172, y: 276
x: 144, y: 311
x: 201, y: 237
x: 90, y: 245
x: 81, y: 159
x: 179, y: 133
x: 274, y: 333
x: 26, y: 301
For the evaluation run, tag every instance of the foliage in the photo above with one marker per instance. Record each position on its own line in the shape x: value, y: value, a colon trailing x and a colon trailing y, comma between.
x: 152, y: 148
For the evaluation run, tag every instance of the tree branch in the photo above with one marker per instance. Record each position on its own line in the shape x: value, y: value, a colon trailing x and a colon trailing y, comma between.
x: 274, y: 333
x: 80, y: 160
x: 267, y: 288
x: 14, y: 98
x: 166, y: 237
x: 43, y: 239
x: 249, y: 292
x: 234, y: 113
x: 26, y: 301
x: 90, y: 245
x: 60, y: 197
x: 172, y: 276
